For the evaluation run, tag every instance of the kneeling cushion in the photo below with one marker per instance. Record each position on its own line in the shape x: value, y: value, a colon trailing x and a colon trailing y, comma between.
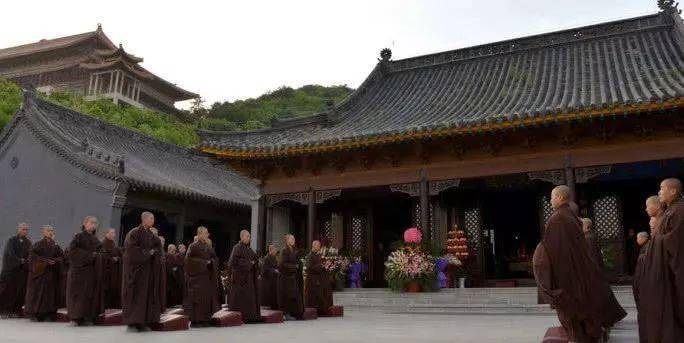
x: 272, y: 316
x: 334, y: 311
x: 111, y: 317
x: 310, y: 313
x: 555, y: 334
x: 171, y: 322
x: 226, y: 318
x: 62, y: 316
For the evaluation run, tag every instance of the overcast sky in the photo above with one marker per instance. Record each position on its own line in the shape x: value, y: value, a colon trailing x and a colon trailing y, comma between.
x: 227, y: 50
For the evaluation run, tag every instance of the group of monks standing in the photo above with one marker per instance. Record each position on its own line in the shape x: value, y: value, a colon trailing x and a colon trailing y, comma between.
x: 568, y: 268
x: 143, y: 280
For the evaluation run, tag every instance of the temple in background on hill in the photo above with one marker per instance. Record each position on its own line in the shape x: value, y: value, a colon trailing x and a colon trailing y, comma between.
x: 90, y: 65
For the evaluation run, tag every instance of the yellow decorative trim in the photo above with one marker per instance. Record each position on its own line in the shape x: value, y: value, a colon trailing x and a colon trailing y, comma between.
x: 441, y: 132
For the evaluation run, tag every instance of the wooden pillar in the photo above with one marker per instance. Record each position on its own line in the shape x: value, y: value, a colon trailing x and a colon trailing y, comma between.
x: 180, y: 226
x: 311, y: 218
x: 118, y: 203
x: 424, y: 207
x: 258, y: 224
x: 570, y: 176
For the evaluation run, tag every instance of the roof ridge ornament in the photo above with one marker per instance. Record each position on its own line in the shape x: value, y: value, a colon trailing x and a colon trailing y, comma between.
x: 385, y: 55
x: 669, y: 6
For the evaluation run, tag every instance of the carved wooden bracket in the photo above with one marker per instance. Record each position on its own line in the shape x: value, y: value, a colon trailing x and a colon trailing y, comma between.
x: 583, y: 175
x: 556, y: 177
x: 322, y: 196
x: 412, y: 189
x: 457, y: 148
x: 302, y: 198
x: 568, y: 134
x: 436, y: 187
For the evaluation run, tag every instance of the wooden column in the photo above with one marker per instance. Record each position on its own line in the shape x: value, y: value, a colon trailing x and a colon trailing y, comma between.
x: 311, y: 218
x: 258, y: 225
x: 570, y: 176
x: 424, y: 207
x: 180, y: 227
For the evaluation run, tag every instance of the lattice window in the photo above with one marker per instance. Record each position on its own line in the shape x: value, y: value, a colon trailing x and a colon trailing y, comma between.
x: 359, y: 226
x: 327, y: 231
x: 431, y: 219
x: 415, y: 214
x: 545, y: 211
x: 607, y: 212
x: 473, y: 226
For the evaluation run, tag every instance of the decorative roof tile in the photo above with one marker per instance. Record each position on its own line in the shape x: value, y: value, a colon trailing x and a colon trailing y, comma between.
x: 117, y: 153
x: 615, y: 66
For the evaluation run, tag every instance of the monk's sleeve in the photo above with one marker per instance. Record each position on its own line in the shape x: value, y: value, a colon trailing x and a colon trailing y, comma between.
x: 542, y: 273
x: 313, y: 265
x: 674, y: 244
x: 12, y: 259
x: 194, y: 264
x: 288, y: 266
x: 78, y: 256
x: 136, y: 255
x: 37, y: 262
x: 238, y: 261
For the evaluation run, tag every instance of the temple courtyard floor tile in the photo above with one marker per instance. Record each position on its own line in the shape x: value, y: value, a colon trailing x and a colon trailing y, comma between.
x: 356, y: 326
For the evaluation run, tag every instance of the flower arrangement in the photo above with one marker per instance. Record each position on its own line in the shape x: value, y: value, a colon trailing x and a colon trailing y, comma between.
x: 409, y: 267
x: 336, y: 265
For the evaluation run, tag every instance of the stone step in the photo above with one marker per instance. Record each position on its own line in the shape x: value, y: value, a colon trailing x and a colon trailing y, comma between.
x: 453, y: 301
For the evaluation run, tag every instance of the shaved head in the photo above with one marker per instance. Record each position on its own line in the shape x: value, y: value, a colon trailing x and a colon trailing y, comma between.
x: 670, y: 190
x: 48, y: 231
x: 147, y: 219
x: 586, y: 224
x: 560, y: 196
x: 245, y: 237
x: 316, y: 246
x: 203, y: 234
x: 654, y: 207
x: 22, y: 229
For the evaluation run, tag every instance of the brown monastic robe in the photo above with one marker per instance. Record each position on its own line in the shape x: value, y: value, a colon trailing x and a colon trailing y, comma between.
x: 568, y: 277
x: 175, y: 279
x: 318, y: 287
x: 612, y: 311
x: 289, y: 283
x: 84, y: 291
x: 660, y: 286
x: 142, y: 277
x: 673, y: 231
x: 269, y: 282
x: 111, y: 274
x: 14, y: 275
x: 201, y: 279
x: 595, y: 249
x: 243, y: 296
x: 45, y: 279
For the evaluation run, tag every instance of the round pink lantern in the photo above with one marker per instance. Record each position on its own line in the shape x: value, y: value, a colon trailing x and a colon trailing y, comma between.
x: 413, y: 235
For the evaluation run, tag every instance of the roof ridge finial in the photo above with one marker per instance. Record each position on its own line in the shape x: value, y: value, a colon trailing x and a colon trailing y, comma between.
x: 385, y: 55
x: 99, y: 27
x: 669, y: 6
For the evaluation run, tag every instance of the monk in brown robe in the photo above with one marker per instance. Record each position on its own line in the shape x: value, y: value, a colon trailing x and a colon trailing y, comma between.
x: 318, y: 288
x: 567, y: 275
x: 201, y: 278
x: 111, y: 275
x: 592, y: 241
x: 289, y: 281
x: 175, y: 277
x: 162, y: 291
x: 142, y: 276
x: 14, y: 273
x: 661, y: 287
x: 269, y: 279
x: 244, y: 265
x: 45, y: 274
x: 84, y: 291
x: 642, y: 240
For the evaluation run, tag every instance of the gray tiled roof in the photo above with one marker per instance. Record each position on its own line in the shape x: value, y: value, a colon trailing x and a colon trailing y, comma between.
x: 633, y: 61
x: 117, y: 153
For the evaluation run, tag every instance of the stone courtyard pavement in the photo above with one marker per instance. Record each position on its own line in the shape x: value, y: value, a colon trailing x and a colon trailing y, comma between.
x: 356, y: 326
